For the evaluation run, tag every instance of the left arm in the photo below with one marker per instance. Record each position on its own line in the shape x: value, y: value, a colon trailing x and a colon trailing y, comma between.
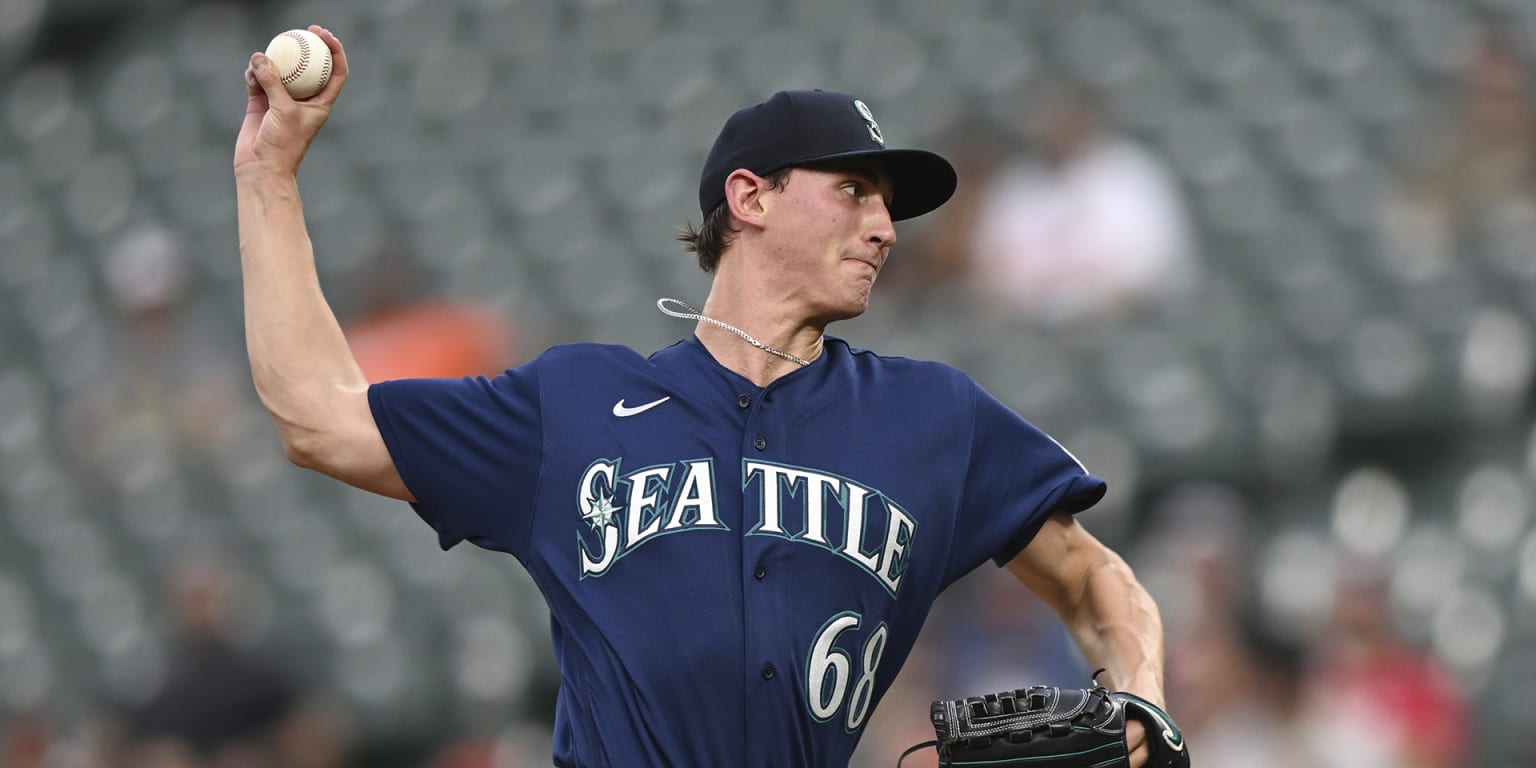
x: 1113, y: 619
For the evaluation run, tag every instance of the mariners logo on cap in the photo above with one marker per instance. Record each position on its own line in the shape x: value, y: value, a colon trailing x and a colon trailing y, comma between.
x: 869, y: 117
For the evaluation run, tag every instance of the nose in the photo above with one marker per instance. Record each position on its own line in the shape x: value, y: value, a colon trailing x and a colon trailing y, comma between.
x: 882, y: 231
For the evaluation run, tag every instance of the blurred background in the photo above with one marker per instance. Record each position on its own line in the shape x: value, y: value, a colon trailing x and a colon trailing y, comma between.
x: 1267, y: 267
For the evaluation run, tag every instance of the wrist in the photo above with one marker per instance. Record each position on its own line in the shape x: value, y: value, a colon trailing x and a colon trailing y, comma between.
x: 1143, y: 684
x: 1151, y: 692
x: 255, y: 173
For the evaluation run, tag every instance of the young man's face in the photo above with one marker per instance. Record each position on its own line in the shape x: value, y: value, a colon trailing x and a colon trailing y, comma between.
x: 831, y: 232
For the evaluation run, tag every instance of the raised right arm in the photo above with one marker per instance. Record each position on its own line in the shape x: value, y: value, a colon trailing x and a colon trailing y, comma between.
x: 303, y: 369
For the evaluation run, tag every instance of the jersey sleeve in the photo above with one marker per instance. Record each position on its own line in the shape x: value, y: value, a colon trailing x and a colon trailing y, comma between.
x: 469, y: 450
x: 1017, y: 477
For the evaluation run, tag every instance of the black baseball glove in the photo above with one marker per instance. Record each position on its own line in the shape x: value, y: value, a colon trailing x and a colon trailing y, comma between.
x: 1049, y: 727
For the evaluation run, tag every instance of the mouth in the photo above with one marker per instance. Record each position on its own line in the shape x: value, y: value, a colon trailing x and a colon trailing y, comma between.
x: 871, y: 263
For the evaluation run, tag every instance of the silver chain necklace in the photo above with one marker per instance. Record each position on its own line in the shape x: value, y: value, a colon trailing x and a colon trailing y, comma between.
x: 694, y: 314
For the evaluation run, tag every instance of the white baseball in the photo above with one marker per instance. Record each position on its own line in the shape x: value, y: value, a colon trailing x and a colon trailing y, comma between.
x: 303, y: 61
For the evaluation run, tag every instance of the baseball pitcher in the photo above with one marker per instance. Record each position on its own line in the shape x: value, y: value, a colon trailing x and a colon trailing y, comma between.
x: 740, y: 535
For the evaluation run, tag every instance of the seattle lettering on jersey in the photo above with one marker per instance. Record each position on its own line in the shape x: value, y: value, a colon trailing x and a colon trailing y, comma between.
x: 884, y: 555
x: 649, y: 507
x: 623, y: 511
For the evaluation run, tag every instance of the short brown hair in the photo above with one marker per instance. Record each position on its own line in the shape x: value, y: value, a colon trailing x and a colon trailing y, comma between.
x: 718, y: 228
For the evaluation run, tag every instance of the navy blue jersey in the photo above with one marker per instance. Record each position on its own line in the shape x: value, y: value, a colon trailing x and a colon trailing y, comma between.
x: 734, y: 573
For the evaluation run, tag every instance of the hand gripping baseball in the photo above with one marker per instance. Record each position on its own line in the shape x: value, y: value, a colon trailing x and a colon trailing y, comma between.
x: 1049, y: 727
x: 278, y: 129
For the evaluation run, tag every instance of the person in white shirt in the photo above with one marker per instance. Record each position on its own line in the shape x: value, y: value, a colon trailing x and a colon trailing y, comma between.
x: 1091, y: 228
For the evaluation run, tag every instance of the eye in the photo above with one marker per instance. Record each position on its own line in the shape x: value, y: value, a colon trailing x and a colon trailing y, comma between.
x: 853, y: 188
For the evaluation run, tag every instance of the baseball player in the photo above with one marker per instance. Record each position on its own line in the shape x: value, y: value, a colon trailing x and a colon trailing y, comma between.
x: 738, y: 536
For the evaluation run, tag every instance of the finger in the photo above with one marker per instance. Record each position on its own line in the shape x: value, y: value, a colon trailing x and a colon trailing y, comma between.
x: 271, y: 83
x: 1136, y: 743
x: 1135, y: 733
x: 339, y: 68
x: 256, y: 98
x: 1140, y: 756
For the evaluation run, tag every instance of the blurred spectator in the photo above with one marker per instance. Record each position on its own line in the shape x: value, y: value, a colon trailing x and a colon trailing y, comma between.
x: 1470, y: 178
x: 1005, y: 638
x: 401, y: 334
x: 1244, y: 689
x: 936, y: 256
x: 1376, y: 699
x: 468, y: 754
x: 1221, y: 708
x: 222, y: 706
x: 506, y: 751
x: 1197, y: 551
x: 1090, y: 228
x: 24, y: 741
x: 173, y: 379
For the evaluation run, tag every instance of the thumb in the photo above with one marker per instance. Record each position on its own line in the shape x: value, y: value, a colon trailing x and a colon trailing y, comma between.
x: 270, y: 82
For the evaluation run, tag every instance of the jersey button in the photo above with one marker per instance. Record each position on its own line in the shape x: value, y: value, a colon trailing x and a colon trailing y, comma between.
x: 760, y: 572
x: 760, y: 442
x: 769, y: 672
x: 744, y: 401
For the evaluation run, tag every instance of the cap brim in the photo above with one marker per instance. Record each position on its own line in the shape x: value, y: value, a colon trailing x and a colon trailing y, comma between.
x: 923, y: 180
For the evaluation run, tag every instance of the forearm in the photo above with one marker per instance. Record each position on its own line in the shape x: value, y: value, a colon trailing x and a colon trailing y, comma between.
x: 299, y: 356
x: 1117, y: 626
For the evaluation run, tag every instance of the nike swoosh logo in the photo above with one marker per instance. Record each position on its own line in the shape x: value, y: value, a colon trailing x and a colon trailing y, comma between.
x: 620, y: 410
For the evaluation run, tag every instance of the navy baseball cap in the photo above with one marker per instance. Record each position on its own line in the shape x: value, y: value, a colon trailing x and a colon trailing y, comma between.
x: 802, y: 127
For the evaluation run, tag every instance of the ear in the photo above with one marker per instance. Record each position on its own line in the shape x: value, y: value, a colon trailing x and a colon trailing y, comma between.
x: 745, y: 193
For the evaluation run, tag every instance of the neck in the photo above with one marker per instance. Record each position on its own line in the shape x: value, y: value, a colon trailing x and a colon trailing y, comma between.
x: 756, y: 365
x: 778, y: 330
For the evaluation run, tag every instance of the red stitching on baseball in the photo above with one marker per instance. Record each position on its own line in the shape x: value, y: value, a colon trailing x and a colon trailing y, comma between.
x: 325, y: 75
x: 303, y: 58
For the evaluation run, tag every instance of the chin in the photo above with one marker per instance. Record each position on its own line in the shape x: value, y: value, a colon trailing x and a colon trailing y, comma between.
x: 843, y: 311
x: 854, y: 302
x: 855, y: 308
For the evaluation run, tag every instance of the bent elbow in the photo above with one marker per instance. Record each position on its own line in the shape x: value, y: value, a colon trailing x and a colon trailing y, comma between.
x: 302, y: 450
x: 341, y: 441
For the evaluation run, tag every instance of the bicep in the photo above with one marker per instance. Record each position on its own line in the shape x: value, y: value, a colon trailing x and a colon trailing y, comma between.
x: 1057, y: 563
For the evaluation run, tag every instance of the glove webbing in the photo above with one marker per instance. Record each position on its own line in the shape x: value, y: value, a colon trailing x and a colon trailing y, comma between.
x: 956, y: 712
x: 953, y: 715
